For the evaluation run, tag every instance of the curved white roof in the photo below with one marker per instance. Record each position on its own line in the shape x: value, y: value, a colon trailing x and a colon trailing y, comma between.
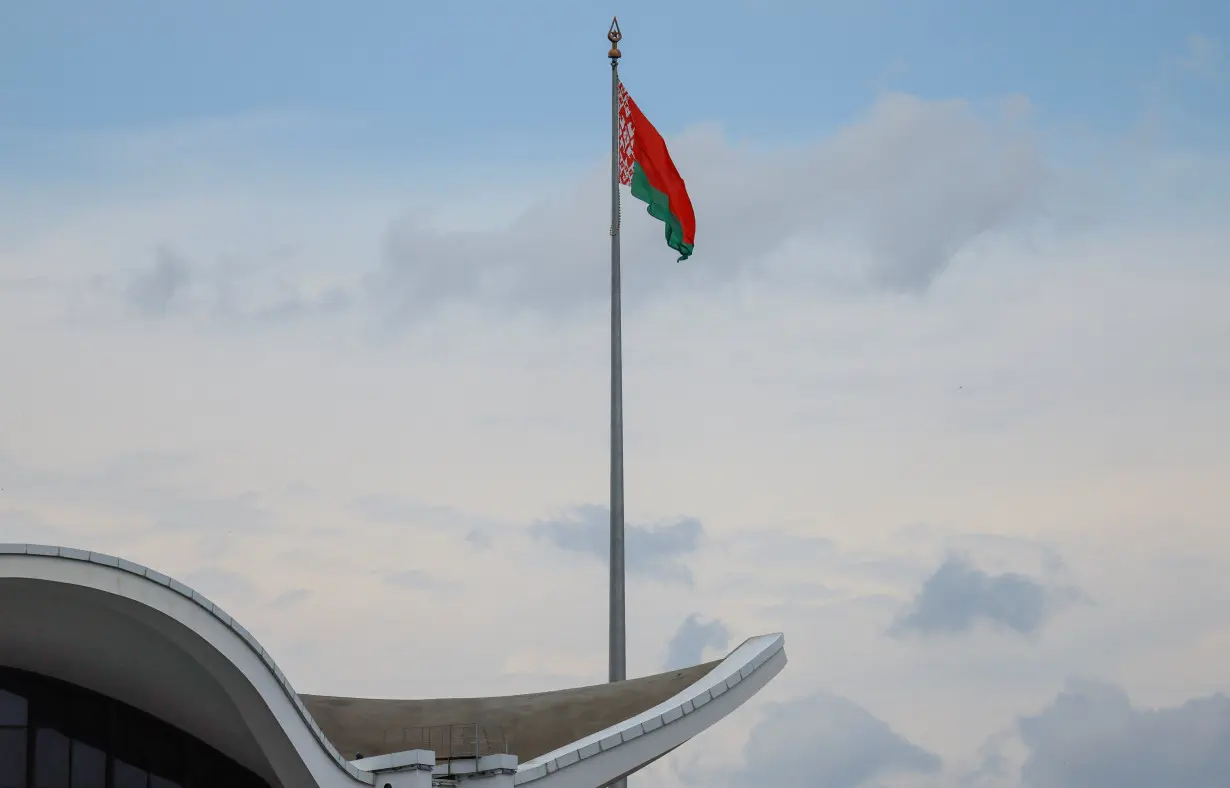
x: 213, y: 653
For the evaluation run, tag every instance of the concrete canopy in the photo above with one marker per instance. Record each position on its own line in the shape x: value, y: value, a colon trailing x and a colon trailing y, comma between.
x: 530, y: 725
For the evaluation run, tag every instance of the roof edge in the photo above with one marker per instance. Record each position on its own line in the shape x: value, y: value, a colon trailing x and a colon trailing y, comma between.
x: 157, y: 578
x: 758, y: 659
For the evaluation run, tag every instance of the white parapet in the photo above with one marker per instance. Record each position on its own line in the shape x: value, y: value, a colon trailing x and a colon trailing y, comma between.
x: 406, y: 769
x: 488, y: 771
x: 621, y: 749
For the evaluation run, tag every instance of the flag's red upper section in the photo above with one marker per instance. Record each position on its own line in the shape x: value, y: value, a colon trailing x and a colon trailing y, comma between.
x: 641, y: 144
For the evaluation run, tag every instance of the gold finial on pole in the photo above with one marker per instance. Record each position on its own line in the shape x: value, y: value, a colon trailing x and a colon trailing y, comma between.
x: 614, y: 36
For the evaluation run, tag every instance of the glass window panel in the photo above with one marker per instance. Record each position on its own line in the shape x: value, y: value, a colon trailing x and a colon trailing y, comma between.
x: 128, y: 736
x: 50, y: 759
x: 128, y: 776
x: 162, y: 749
x: 88, y: 719
x: 80, y: 736
x: 12, y: 708
x: 49, y: 705
x: 89, y: 766
x: 202, y: 767
x: 12, y: 758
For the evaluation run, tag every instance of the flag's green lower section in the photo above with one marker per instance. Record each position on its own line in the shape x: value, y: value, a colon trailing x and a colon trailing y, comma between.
x: 660, y: 209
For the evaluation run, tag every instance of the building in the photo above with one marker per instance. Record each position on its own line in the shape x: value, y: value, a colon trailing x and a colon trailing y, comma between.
x: 115, y: 676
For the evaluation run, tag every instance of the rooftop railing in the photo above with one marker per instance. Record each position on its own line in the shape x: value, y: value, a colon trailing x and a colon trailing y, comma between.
x: 449, y: 742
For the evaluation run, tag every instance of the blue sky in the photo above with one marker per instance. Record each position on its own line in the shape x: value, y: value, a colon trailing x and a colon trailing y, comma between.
x: 528, y: 80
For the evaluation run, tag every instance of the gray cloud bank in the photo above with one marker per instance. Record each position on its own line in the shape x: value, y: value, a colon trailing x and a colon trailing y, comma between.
x: 911, y: 184
x: 958, y: 596
x: 397, y: 511
x: 885, y: 203
x: 153, y: 290
x: 824, y: 740
x: 259, y: 291
x: 1091, y: 736
x: 687, y: 646
x: 141, y: 483
x: 655, y: 551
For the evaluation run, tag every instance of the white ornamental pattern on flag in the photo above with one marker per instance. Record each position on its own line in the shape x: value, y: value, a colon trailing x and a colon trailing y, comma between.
x: 626, y: 134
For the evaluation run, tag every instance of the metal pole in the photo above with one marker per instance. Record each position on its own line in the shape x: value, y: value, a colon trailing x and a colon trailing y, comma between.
x: 618, y: 643
x: 618, y: 631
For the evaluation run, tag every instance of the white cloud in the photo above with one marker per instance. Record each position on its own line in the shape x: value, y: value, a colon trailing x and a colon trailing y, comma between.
x: 1203, y: 55
x: 880, y: 329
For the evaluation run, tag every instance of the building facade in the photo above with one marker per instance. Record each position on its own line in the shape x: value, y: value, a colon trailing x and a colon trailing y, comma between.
x: 58, y: 735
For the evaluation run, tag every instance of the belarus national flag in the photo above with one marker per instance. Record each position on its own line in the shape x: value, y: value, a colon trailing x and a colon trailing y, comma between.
x: 645, y: 164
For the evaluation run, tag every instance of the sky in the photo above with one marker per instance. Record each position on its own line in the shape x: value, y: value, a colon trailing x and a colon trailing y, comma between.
x: 304, y: 304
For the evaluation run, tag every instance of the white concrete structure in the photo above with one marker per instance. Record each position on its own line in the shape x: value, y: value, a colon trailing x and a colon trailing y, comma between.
x: 73, y: 619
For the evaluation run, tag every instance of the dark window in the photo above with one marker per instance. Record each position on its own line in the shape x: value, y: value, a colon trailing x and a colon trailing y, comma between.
x: 12, y: 758
x: 88, y: 720
x: 51, y: 762
x: 162, y: 754
x: 89, y: 766
x: 129, y: 740
x: 128, y: 776
x: 208, y: 768
x: 12, y: 708
x: 56, y: 735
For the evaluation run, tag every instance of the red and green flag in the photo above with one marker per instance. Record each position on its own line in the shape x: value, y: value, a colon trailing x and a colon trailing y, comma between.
x: 645, y: 165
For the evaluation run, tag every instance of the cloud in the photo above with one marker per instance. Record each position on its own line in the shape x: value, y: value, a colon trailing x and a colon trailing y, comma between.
x: 479, y: 539
x: 687, y: 646
x: 656, y: 551
x: 265, y: 290
x: 958, y: 596
x: 398, y: 511
x: 152, y: 291
x: 205, y: 513
x: 290, y: 599
x: 1092, y: 737
x: 417, y: 579
x: 1203, y: 55
x: 994, y: 765
x: 21, y: 285
x: 883, y: 204
x: 219, y: 583
x: 772, y: 356
x: 19, y: 526
x: 908, y: 186
x: 141, y: 483
x: 825, y: 740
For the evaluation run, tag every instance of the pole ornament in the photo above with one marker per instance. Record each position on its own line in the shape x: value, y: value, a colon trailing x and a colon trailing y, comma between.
x: 614, y: 36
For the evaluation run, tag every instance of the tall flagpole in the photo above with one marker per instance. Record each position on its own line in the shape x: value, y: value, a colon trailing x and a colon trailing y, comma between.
x: 618, y: 631
x: 618, y: 650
